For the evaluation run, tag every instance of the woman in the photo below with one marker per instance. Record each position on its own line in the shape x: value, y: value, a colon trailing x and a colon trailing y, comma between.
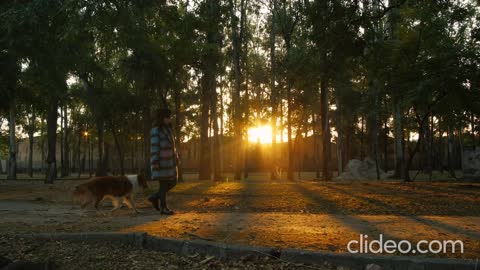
x: 163, y: 160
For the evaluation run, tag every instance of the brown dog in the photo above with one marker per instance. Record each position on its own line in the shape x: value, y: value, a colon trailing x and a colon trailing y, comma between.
x: 115, y: 188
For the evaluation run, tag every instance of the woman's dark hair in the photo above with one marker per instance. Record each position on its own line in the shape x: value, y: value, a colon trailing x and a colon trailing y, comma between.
x: 160, y: 114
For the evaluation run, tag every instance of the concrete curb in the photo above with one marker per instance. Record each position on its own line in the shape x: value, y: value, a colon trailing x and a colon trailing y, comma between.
x: 222, y: 250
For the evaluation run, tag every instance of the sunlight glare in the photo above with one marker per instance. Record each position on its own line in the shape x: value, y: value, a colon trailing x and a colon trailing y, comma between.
x: 262, y: 134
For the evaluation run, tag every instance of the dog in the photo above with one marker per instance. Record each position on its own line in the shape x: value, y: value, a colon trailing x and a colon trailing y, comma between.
x: 114, y: 188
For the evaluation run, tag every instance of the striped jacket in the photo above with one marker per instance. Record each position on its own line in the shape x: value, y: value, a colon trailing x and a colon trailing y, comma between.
x: 163, y: 156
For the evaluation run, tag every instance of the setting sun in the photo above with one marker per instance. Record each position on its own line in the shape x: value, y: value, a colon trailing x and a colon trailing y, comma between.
x: 262, y: 134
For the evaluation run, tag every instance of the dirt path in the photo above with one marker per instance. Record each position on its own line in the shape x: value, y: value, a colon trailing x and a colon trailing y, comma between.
x: 303, y: 215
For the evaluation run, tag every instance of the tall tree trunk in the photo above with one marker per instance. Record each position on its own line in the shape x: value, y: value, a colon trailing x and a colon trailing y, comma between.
x: 42, y: 144
x: 374, y: 129
x: 450, y: 139
x: 52, y: 118
x: 339, y: 138
x: 237, y: 42
x: 460, y: 145
x: 66, y: 148
x: 92, y: 100
x: 362, y: 138
x: 204, y: 166
x: 325, y: 128
x: 12, y: 161
x: 316, y: 147
x: 147, y: 126
x: 421, y: 129
x: 90, y: 157
x: 62, y: 132
x: 385, y: 145
x: 178, y: 130
x: 220, y: 139
x: 282, y: 127
x: 119, y: 149
x: 244, y: 55
x: 106, y: 157
x: 100, y: 170
x: 31, y: 131
x: 472, y: 127
x: 273, y: 94
x: 217, y: 172
x: 79, y: 151
x: 289, y: 127
x: 210, y: 61
x: 429, y: 147
x: 399, y: 141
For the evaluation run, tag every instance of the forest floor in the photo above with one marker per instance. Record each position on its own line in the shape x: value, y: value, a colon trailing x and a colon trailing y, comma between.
x: 94, y: 256
x: 305, y: 214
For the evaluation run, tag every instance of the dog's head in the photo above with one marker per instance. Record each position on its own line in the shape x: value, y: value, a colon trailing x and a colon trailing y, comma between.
x: 142, y: 181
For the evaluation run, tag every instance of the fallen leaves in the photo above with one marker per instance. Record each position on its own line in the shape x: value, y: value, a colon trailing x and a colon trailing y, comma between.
x: 86, y: 256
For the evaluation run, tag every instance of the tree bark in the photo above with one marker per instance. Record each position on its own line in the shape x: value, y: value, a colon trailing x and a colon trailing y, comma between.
x: 385, y: 145
x: 421, y: 129
x: 119, y: 150
x: 178, y: 130
x: 66, y: 148
x: 429, y: 147
x: 362, y: 138
x: 100, y: 170
x: 339, y: 129
x: 349, y: 132
x: 399, y: 141
x: 209, y: 61
x: 220, y: 139
x: 12, y: 161
x: 52, y: 118
x: 204, y: 157
x: 327, y: 176
x: 244, y: 55
x: 374, y: 129
x: 472, y: 127
x: 273, y: 94
x: 42, y: 143
x: 61, y: 142
x: 147, y: 126
x: 31, y: 131
x: 79, y: 152
x: 237, y: 121
x: 450, y: 139
x: 290, y: 169
x: 316, y: 146
x: 217, y: 172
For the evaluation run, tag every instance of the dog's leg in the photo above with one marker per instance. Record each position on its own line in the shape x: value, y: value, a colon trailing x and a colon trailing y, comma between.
x: 130, y: 202
x: 116, y: 203
x: 97, y: 202
x: 85, y: 201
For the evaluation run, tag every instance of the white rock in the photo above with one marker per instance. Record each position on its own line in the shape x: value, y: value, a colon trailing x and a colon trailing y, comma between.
x: 471, y: 163
x: 362, y: 170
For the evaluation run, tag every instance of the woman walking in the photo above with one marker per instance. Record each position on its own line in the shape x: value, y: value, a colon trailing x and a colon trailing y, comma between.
x: 163, y: 160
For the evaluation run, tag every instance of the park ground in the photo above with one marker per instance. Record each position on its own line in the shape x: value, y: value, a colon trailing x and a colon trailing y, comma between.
x: 304, y: 214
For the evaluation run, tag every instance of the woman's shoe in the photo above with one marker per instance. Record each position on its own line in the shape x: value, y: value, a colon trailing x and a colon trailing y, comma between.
x: 154, y: 202
x: 166, y: 211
